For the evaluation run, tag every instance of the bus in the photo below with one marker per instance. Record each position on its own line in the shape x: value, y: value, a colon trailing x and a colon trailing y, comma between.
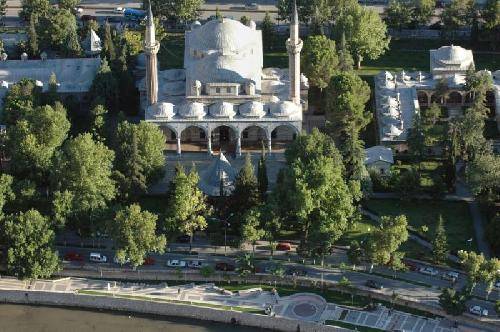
x: 134, y: 14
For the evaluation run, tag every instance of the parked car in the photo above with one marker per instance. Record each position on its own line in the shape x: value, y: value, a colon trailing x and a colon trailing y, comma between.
x: 497, y: 284
x: 285, y: 246
x: 88, y: 18
x: 195, y: 264
x: 223, y: 266
x: 411, y: 266
x: 252, y: 5
x: 149, y: 261
x: 183, y: 238
x: 373, y: 284
x: 478, y: 310
x: 450, y: 275
x: 119, y: 10
x: 429, y: 271
x: 78, y: 10
x: 115, y: 260
x: 73, y: 256
x: 97, y: 257
x: 176, y: 263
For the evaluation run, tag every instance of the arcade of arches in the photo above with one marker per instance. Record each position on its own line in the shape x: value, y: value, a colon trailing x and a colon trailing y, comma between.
x: 229, y: 139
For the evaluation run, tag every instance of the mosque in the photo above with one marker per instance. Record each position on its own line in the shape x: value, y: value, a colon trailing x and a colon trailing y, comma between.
x: 223, y: 99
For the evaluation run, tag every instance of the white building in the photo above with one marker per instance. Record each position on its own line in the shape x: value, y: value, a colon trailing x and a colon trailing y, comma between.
x: 379, y: 158
x: 399, y: 96
x: 223, y: 98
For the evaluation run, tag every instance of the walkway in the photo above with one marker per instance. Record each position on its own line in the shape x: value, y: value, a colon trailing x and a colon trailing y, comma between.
x: 299, y: 306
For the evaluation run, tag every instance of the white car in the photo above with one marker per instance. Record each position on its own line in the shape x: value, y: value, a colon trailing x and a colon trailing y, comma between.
x: 119, y: 10
x: 195, y: 264
x: 78, y: 10
x: 429, y: 271
x: 97, y: 257
x: 479, y: 311
x: 451, y: 276
x: 176, y: 263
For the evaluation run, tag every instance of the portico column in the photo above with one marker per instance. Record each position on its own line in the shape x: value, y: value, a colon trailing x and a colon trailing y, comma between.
x: 269, y: 150
x: 238, y: 145
x: 179, y: 146
x: 209, y: 144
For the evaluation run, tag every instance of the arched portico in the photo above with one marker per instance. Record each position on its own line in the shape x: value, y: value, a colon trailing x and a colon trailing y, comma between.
x: 253, y: 137
x: 281, y: 135
x: 454, y: 98
x: 194, y: 138
x: 225, y: 138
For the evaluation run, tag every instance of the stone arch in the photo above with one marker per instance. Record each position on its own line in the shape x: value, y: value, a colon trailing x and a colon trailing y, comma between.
x: 423, y: 98
x: 224, y: 137
x: 193, y: 138
x: 282, y: 135
x: 253, y: 137
x: 436, y: 98
x: 454, y: 97
x: 170, y: 134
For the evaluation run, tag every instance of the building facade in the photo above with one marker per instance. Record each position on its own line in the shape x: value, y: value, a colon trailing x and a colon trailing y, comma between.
x: 223, y: 99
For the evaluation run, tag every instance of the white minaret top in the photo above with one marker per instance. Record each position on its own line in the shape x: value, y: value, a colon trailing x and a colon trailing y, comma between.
x: 151, y: 47
x: 294, y: 46
x: 150, y: 38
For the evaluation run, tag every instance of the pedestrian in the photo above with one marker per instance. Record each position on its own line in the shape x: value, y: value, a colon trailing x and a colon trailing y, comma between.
x: 178, y: 291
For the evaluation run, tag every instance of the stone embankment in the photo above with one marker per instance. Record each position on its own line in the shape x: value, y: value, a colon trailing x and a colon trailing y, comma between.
x: 161, y: 308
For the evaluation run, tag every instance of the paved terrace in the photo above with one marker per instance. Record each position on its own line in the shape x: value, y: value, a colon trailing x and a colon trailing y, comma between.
x: 300, y: 306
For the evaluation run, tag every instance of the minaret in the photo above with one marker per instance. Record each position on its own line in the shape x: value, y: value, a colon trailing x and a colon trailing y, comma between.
x: 294, y: 46
x: 151, y: 47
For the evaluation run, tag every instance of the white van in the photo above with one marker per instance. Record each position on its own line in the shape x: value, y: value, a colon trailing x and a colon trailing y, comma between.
x: 97, y: 258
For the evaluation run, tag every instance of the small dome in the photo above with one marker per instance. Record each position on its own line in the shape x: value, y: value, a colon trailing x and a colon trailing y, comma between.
x: 392, y: 130
x: 252, y: 109
x: 284, y: 109
x: 24, y: 56
x: 274, y: 99
x: 4, y: 84
x: 452, y: 54
x: 222, y: 110
x: 39, y: 83
x: 162, y: 110
x: 192, y: 110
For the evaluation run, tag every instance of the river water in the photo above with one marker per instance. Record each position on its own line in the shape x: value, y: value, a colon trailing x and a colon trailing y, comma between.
x: 21, y: 318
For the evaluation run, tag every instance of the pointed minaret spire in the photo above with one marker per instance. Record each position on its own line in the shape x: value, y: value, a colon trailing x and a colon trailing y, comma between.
x: 294, y: 46
x: 151, y: 47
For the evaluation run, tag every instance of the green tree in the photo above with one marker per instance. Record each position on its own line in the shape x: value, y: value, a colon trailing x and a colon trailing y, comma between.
x: 68, y: 4
x: 108, y: 48
x: 490, y: 274
x: 6, y: 193
x: 245, y: 20
x: 251, y: 230
x: 268, y: 34
x: 72, y: 48
x: 385, y: 239
x: 440, y: 243
x: 21, y: 98
x: 133, y: 233
x: 179, y: 10
x: 51, y: 96
x: 33, y: 141
x: 457, y: 14
x: 187, y: 205
x: 490, y: 15
x: 399, y: 14
x: 423, y: 11
x: 33, y: 38
x: 365, y: 32
x: 30, y: 242
x: 262, y: 180
x: 452, y: 301
x: 56, y: 28
x: 245, y: 264
x: 105, y: 87
x: 97, y: 122
x: 246, y: 191
x: 472, y: 263
x: 271, y: 223
x: 483, y: 176
x: 82, y: 172
x: 150, y: 145
x: 416, y: 139
x: 312, y: 194
x: 319, y: 60
x: 346, y: 61
x: 355, y: 253
x: 3, y: 11
x: 37, y: 7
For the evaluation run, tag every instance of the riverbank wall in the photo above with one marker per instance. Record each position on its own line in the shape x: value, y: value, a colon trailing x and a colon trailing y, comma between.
x: 94, y: 302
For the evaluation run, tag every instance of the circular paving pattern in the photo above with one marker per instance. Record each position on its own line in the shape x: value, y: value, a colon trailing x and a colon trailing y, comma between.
x: 305, y: 310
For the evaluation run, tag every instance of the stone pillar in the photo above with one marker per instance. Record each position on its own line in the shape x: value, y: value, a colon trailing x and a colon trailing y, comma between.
x: 238, y: 145
x: 294, y: 46
x: 151, y: 48
x: 269, y: 149
x: 209, y: 144
x: 179, y: 146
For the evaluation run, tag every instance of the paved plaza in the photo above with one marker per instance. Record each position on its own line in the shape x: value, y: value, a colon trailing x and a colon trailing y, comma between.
x: 300, y: 306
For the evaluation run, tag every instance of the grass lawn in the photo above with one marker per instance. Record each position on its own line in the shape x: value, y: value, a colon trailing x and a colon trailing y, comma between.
x: 429, y: 170
x: 456, y: 216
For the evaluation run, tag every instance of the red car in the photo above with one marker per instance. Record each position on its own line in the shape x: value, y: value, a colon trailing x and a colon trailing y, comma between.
x: 411, y: 266
x: 285, y: 246
x: 149, y: 261
x: 73, y: 256
x: 221, y: 266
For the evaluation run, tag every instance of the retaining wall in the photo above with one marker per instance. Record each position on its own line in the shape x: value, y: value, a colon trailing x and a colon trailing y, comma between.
x: 161, y: 308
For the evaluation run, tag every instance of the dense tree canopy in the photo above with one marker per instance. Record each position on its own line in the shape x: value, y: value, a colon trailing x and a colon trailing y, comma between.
x: 82, y: 176
x: 134, y: 235
x: 30, y: 239
x: 6, y: 193
x: 483, y: 176
x: 21, y: 98
x: 37, y: 7
x: 246, y: 192
x: 179, y: 10
x: 319, y: 60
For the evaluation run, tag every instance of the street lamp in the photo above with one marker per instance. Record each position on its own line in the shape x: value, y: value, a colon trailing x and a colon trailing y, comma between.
x: 226, y: 225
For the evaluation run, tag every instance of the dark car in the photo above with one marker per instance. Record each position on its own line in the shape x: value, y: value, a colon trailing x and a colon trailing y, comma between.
x: 411, y: 266
x: 284, y: 246
x: 88, y: 18
x: 373, y: 284
x: 73, y: 257
x: 222, y: 266
x: 183, y: 238
x: 149, y: 261
x: 295, y: 271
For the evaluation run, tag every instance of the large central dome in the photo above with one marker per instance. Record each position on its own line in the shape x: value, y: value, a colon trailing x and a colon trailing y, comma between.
x: 223, y: 51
